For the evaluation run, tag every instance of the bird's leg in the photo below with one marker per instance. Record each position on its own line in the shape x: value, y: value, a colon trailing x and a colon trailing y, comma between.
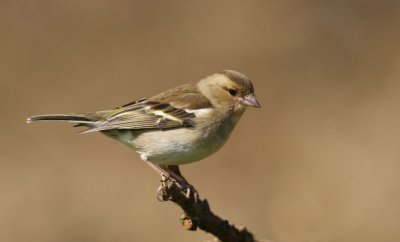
x: 175, y: 173
x: 172, y: 171
x: 163, y: 174
x: 160, y: 171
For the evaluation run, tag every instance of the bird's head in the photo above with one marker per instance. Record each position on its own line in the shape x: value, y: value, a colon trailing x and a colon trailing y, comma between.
x: 229, y: 89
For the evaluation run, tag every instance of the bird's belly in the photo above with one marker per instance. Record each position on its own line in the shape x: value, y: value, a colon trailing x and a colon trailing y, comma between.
x: 177, y: 146
x: 172, y: 147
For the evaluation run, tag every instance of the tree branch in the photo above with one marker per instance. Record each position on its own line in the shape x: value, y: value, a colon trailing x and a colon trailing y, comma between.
x: 199, y: 215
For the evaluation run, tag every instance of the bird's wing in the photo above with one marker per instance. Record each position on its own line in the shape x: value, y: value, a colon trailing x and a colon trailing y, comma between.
x: 170, y: 109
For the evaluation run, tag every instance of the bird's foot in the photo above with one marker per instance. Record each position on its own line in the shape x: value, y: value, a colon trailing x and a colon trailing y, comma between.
x: 190, y: 192
x: 160, y: 194
x: 168, y: 183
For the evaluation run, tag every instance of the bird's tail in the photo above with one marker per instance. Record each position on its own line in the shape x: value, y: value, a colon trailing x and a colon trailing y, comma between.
x: 79, y: 118
x: 91, y: 120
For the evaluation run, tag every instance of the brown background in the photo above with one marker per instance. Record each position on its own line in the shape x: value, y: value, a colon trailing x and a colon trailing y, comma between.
x: 318, y: 162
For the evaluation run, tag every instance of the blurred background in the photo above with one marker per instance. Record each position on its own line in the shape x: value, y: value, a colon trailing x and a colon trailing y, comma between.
x: 318, y: 162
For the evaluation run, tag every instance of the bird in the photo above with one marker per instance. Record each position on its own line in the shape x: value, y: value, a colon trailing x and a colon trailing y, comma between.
x: 181, y: 125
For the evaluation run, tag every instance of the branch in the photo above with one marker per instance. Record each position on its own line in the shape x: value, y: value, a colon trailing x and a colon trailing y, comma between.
x: 199, y: 215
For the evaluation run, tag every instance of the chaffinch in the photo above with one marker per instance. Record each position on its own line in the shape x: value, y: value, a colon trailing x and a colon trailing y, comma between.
x: 178, y: 126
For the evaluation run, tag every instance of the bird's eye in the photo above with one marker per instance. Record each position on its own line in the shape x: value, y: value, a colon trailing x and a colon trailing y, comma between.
x: 233, y: 92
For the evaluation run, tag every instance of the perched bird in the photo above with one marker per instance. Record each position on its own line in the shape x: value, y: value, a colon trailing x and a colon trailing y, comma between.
x: 178, y: 126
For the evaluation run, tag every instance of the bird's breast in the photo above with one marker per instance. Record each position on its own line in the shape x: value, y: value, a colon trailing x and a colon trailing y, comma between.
x: 181, y: 145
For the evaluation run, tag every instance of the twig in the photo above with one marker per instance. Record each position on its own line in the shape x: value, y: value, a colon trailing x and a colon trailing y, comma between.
x: 199, y: 215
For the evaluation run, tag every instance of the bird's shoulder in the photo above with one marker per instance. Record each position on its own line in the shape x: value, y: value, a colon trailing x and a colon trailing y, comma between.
x: 187, y: 96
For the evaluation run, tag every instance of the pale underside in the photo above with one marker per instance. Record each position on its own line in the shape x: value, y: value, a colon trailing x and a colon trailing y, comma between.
x: 179, y: 146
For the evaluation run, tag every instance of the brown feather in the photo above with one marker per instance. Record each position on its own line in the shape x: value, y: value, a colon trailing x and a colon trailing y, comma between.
x: 163, y: 111
x: 186, y: 96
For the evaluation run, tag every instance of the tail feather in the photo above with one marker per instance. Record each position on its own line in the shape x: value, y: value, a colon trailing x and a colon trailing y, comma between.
x: 73, y: 117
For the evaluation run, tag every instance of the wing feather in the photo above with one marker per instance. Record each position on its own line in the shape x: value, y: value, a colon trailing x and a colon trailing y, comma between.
x: 163, y: 111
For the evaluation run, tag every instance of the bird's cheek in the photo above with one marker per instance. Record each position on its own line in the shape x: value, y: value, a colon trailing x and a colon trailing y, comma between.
x: 239, y: 107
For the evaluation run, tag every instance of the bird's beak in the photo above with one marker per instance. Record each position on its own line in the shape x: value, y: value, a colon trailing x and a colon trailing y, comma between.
x: 250, y: 100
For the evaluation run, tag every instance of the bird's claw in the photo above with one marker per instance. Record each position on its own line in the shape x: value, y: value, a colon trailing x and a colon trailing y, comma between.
x: 187, y: 189
x: 160, y: 196
x: 190, y: 190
